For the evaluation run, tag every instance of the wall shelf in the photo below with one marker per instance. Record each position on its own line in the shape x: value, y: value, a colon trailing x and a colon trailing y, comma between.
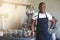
x: 17, y: 3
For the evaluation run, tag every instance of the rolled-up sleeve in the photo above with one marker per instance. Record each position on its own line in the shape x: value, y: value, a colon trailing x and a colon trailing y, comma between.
x: 49, y: 16
x: 35, y: 15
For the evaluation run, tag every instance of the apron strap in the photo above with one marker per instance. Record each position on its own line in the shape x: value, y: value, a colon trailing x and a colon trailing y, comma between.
x: 38, y: 16
x: 46, y: 14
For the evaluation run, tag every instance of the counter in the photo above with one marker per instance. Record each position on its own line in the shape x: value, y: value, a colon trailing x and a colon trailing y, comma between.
x: 13, y: 38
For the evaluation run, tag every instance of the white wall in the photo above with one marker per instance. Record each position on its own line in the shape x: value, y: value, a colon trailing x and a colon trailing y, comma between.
x: 53, y: 7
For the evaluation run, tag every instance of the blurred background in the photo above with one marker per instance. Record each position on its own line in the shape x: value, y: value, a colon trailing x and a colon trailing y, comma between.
x: 15, y: 16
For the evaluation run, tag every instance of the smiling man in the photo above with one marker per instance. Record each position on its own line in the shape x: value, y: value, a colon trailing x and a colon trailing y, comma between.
x: 42, y: 18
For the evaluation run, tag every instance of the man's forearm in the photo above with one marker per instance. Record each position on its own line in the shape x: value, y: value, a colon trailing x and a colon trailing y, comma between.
x: 32, y: 25
x: 52, y: 24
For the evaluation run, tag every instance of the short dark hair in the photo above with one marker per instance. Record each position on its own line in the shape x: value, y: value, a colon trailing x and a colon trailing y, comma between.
x: 41, y: 4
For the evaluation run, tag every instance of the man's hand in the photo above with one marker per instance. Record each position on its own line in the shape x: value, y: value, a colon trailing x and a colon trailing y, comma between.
x: 49, y: 30
x: 32, y: 34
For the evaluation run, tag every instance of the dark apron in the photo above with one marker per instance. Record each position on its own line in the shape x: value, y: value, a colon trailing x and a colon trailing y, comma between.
x: 42, y: 29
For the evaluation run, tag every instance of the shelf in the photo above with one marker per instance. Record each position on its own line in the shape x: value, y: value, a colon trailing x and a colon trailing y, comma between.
x: 17, y: 3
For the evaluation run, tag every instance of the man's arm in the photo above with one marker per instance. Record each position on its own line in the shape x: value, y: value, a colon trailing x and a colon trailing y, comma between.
x: 52, y: 23
x: 32, y: 27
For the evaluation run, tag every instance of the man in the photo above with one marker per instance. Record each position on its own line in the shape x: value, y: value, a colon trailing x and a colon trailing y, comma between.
x: 42, y: 18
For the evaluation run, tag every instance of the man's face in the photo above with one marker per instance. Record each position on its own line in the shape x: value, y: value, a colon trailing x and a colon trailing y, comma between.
x: 43, y: 8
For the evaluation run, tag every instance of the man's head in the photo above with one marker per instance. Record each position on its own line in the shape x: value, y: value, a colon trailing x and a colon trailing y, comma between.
x: 42, y: 7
